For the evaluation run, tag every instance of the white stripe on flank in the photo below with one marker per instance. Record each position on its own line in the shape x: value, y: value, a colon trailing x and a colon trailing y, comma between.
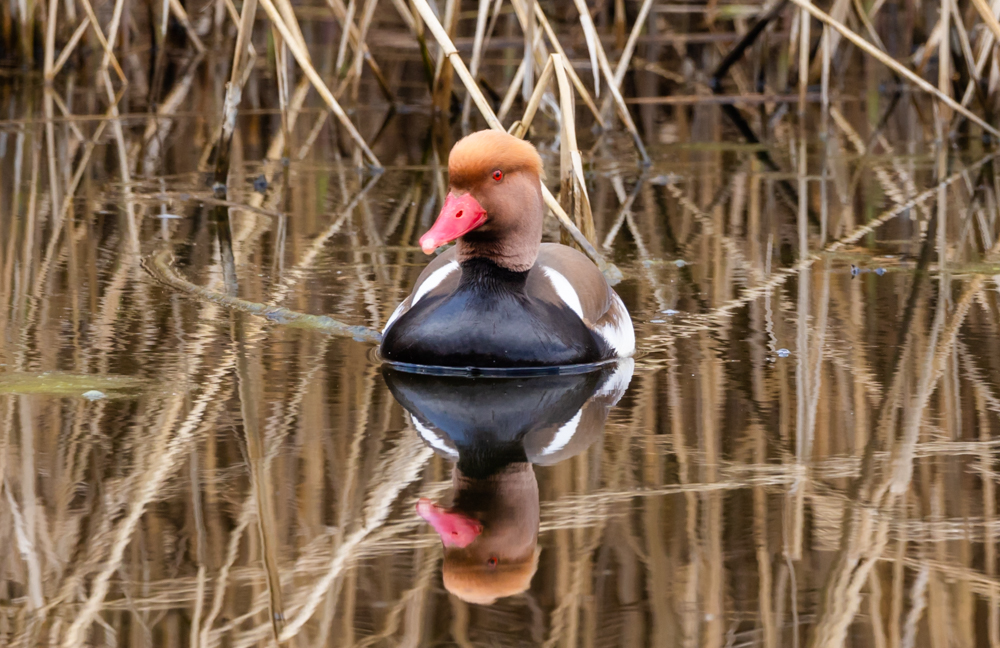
x: 395, y: 316
x: 618, y: 331
x: 562, y: 435
x: 433, y: 438
x: 433, y: 281
x: 564, y: 289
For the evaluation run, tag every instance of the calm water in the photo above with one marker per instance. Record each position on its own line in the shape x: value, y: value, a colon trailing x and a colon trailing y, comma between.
x: 804, y: 453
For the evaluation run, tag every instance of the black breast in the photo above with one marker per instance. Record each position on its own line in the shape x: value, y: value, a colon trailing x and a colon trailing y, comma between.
x: 490, y: 321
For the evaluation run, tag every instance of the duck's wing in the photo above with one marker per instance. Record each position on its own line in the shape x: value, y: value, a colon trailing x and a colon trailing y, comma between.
x: 567, y: 276
x: 439, y: 277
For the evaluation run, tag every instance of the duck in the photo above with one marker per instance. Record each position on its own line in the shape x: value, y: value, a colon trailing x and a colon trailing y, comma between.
x: 494, y: 430
x: 500, y: 297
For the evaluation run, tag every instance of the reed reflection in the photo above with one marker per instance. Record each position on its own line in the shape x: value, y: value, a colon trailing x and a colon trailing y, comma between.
x: 494, y: 429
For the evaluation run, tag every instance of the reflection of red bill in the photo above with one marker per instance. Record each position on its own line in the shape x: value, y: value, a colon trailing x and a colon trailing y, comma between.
x: 455, y: 529
x: 460, y: 215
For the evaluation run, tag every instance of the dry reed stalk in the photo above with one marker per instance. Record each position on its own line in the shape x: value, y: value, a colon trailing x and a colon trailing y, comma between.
x: 159, y: 125
x: 171, y: 447
x: 113, y: 27
x: 50, y: 37
x: 399, y: 470
x: 359, y: 53
x: 624, y: 211
x: 68, y: 49
x: 177, y: 9
x: 530, y: 28
x: 234, y: 90
x: 605, y: 68
x: 592, y: 39
x: 448, y: 48
x: 825, y: 74
x: 966, y: 45
x: 302, y: 57
x: 281, y: 73
x: 625, y: 60
x: 989, y: 18
x: 893, y: 65
x: 514, y: 89
x: 108, y: 53
x: 340, y: 13
x: 944, y: 57
x: 867, y: 22
x: 577, y: 83
x: 288, y: 15
x: 725, y: 311
x: 477, y: 55
x: 249, y: 370
x: 441, y: 83
x: 804, y: 49
x: 572, y: 184
x: 520, y: 127
x: 347, y: 22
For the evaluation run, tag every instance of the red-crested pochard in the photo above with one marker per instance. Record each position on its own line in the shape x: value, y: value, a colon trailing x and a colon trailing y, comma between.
x: 501, y: 297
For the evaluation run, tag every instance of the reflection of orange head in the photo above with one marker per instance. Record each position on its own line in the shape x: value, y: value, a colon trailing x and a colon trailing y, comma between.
x: 477, y: 581
x: 501, y: 558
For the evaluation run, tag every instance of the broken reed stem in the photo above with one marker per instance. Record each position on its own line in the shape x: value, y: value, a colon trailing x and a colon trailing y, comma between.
x: 888, y: 61
x: 612, y: 273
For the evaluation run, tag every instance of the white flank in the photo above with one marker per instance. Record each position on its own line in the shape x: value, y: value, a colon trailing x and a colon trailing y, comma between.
x: 562, y: 435
x: 395, y: 316
x: 620, y: 334
x: 431, y: 437
x: 564, y: 289
x: 618, y: 382
x: 433, y: 281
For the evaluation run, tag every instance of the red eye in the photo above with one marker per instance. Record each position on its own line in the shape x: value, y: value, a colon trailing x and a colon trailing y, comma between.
x: 498, y: 175
x: 492, y: 562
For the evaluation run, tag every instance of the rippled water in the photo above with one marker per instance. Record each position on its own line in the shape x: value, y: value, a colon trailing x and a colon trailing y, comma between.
x: 804, y: 452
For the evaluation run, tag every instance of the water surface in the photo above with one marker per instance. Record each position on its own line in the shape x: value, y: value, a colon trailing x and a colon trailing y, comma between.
x: 805, y: 453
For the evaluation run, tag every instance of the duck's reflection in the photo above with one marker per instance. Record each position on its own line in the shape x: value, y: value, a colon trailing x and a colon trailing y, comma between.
x: 494, y: 429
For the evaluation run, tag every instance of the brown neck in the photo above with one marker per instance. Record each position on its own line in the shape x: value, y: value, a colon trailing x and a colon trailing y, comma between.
x: 512, y: 233
x: 506, y: 501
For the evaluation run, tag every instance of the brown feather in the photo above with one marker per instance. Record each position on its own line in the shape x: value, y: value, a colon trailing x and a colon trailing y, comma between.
x: 475, y: 157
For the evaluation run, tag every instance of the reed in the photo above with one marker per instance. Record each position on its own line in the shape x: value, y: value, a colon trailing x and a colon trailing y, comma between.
x: 808, y: 451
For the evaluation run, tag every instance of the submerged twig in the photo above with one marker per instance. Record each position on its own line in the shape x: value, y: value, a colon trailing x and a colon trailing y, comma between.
x: 159, y: 266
